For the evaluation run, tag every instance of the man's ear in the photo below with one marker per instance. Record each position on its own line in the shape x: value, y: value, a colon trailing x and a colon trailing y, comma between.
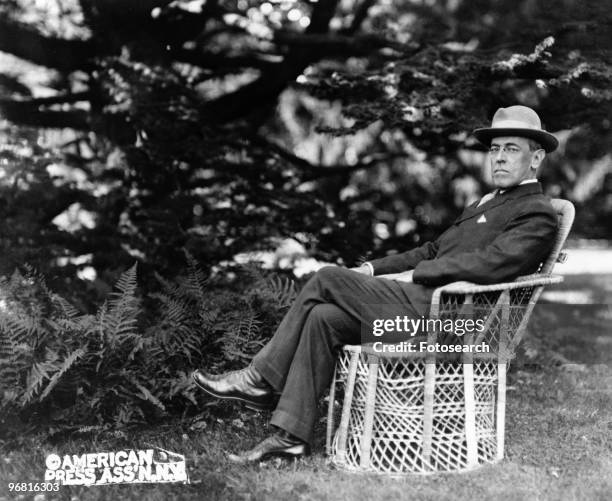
x: 537, y: 157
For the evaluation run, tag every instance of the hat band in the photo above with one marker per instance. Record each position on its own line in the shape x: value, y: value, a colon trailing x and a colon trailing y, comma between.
x: 513, y: 124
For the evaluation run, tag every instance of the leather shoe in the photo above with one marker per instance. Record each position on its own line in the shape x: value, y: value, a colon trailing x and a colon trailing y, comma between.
x: 245, y: 385
x: 280, y: 443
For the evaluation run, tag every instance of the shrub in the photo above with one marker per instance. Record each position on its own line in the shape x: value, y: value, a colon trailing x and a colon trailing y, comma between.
x: 130, y: 361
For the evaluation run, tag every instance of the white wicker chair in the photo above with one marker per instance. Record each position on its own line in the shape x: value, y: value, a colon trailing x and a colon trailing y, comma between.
x: 415, y: 413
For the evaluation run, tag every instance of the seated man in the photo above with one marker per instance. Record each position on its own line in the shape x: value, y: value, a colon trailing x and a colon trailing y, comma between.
x: 508, y: 233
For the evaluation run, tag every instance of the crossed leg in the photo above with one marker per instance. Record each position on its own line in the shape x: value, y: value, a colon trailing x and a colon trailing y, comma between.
x: 334, y: 308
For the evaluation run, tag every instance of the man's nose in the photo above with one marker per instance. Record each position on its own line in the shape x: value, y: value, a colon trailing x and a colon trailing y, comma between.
x: 499, y: 156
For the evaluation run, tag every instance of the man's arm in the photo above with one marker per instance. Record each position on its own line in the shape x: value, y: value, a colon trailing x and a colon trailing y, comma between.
x: 404, y: 261
x: 519, y: 249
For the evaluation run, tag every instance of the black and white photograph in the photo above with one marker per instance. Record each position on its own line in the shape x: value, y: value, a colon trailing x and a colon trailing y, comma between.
x: 305, y: 250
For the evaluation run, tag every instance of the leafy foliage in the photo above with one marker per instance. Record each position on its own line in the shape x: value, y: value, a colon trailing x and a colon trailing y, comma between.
x: 219, y: 126
x: 131, y: 361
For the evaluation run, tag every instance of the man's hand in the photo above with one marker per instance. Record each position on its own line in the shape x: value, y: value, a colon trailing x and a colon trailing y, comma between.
x: 364, y: 269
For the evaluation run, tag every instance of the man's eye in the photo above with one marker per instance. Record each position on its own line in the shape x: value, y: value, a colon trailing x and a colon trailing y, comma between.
x: 494, y: 149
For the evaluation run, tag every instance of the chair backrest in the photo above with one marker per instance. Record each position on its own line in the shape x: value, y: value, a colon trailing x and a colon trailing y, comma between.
x: 565, y: 212
x: 505, y: 311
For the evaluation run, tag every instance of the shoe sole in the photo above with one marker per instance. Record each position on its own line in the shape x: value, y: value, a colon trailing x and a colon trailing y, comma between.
x: 249, y: 404
x: 292, y: 453
x: 295, y: 452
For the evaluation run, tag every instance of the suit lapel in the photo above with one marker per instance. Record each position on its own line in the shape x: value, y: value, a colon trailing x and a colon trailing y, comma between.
x: 510, y: 194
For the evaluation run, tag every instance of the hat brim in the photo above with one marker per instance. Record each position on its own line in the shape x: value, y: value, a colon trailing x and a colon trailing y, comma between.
x: 546, y: 139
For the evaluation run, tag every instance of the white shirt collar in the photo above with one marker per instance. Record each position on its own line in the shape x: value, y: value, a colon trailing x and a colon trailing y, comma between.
x: 525, y: 181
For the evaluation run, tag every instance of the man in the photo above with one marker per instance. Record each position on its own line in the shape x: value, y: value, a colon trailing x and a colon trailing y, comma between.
x: 506, y: 234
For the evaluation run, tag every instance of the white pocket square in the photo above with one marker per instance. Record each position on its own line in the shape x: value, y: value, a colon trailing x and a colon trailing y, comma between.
x: 482, y: 219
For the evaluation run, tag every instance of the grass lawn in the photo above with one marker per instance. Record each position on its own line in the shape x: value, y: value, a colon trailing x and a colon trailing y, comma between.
x: 558, y: 436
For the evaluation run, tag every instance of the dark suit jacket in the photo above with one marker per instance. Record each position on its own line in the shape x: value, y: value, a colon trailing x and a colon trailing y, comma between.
x: 508, y: 236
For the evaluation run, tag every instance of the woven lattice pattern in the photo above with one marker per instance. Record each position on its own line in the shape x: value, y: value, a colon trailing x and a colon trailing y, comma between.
x: 396, y: 444
x: 491, y: 308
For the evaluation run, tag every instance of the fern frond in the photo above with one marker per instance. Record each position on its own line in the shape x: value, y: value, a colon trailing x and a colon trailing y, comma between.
x: 248, y: 326
x: 170, y: 289
x: 38, y: 374
x: 241, y: 336
x: 197, y: 282
x: 9, y: 376
x: 19, y: 328
x: 127, y: 282
x: 39, y: 279
x: 69, y: 311
x: 254, y: 272
x: 175, y: 311
x: 69, y: 361
x: 282, y: 290
x: 145, y: 394
x: 177, y: 320
x: 7, y: 346
x: 208, y: 318
x: 117, y: 318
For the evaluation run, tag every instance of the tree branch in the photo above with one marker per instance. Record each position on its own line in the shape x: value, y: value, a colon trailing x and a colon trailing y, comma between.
x: 27, y: 113
x: 220, y: 61
x: 48, y: 101
x: 320, y: 45
x: 530, y: 71
x: 262, y: 93
x: 319, y: 171
x: 27, y: 43
x: 340, y: 44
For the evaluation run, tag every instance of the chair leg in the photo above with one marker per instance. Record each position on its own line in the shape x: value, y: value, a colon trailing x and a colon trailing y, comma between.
x: 471, y: 439
x: 368, y: 419
x: 504, y: 341
x: 346, y: 406
x: 428, y: 401
x: 330, y: 414
x: 470, y: 414
x: 501, y: 409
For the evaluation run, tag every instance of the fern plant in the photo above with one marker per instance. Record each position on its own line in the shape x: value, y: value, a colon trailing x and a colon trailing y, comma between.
x: 131, y: 360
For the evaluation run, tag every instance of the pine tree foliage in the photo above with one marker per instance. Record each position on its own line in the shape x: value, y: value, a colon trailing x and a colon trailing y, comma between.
x: 220, y: 126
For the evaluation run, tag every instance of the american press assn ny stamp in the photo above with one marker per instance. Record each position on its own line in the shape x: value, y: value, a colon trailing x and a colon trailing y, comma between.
x: 120, y: 467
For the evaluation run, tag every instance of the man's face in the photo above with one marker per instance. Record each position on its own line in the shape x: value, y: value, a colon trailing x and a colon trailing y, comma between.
x: 512, y: 161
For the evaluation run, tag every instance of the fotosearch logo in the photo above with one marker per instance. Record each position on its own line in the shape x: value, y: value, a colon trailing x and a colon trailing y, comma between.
x: 121, y: 467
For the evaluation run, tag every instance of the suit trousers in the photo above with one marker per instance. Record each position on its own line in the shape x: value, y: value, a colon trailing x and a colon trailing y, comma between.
x: 336, y: 306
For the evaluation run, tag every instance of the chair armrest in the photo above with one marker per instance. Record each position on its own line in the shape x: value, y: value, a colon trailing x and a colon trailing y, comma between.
x: 533, y: 280
x: 398, y: 277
